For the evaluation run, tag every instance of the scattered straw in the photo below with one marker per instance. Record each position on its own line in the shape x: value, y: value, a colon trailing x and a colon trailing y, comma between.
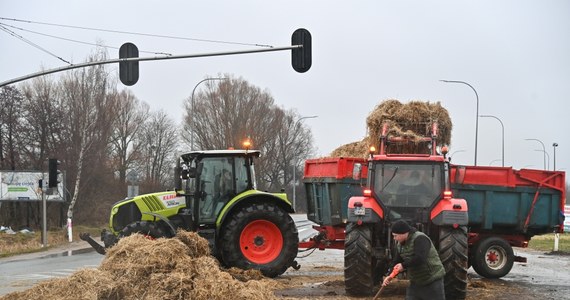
x: 140, y: 268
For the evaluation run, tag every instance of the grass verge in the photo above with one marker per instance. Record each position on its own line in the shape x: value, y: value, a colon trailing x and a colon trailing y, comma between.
x: 21, y: 243
x: 546, y: 243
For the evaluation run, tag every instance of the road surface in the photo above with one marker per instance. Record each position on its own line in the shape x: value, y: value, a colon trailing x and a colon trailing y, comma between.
x: 320, y: 277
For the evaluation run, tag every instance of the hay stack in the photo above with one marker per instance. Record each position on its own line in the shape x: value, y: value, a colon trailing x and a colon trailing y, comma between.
x: 139, y: 268
x: 412, y: 120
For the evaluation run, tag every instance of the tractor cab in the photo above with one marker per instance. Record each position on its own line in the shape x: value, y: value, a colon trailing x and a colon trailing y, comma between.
x: 210, y: 179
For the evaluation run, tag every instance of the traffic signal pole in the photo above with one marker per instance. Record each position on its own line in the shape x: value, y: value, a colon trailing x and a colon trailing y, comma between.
x: 133, y: 59
x: 44, y: 215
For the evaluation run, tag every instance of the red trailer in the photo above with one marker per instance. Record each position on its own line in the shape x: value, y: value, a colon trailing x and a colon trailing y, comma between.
x: 494, y: 208
x: 506, y: 206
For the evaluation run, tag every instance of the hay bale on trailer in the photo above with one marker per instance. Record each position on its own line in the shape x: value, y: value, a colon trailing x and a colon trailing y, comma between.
x: 412, y: 120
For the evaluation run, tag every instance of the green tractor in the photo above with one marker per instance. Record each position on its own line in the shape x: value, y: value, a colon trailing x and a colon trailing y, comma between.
x: 216, y: 197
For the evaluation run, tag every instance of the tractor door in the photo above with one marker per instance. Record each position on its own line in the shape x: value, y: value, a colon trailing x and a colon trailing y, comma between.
x: 221, y: 179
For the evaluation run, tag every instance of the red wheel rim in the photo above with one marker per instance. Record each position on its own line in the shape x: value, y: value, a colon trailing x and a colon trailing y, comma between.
x: 261, y: 242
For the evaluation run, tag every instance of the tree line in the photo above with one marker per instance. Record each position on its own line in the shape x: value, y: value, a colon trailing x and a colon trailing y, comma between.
x: 101, y: 134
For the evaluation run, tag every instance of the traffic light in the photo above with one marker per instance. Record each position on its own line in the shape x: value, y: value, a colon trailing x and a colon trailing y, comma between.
x: 128, y: 70
x: 301, y: 57
x: 53, y: 172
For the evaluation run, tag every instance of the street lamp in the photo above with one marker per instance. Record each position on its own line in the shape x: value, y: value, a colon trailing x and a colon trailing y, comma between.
x: 494, y: 160
x: 192, y: 106
x: 476, y: 113
x: 544, y: 149
x: 554, y: 145
x: 453, y: 153
x: 548, y: 158
x: 295, y: 163
x: 503, y: 134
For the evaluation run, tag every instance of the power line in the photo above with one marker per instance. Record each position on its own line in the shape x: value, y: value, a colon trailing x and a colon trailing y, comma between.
x: 76, y: 41
x: 137, y: 33
x: 32, y: 44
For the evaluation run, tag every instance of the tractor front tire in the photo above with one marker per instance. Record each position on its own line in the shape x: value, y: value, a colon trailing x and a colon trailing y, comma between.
x: 149, y: 229
x: 453, y: 249
x: 260, y: 236
x: 359, y: 264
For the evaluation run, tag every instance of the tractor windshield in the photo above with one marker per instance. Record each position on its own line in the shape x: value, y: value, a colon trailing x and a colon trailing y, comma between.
x: 408, y: 184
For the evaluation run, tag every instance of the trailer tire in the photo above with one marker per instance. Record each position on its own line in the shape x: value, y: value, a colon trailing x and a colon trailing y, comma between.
x: 493, y: 258
x: 260, y: 236
x: 453, y: 249
x: 359, y: 263
x: 148, y: 229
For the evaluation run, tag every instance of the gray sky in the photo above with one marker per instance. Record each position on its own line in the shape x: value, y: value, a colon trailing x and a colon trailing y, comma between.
x: 516, y: 54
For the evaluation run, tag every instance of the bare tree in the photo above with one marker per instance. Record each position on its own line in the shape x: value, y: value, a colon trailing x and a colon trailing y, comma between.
x: 294, y: 145
x: 89, y: 114
x: 10, y: 120
x: 230, y: 111
x: 131, y: 115
x: 158, y: 143
x: 43, y: 121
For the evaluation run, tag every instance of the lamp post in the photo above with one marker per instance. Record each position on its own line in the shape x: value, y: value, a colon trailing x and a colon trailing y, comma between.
x: 476, y: 112
x: 544, y: 149
x: 503, y: 135
x: 295, y: 163
x: 547, y: 158
x: 192, y: 106
x: 494, y: 160
x: 457, y: 151
x: 554, y: 145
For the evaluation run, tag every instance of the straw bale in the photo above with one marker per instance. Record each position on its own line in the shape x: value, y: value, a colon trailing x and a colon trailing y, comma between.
x: 141, y: 268
x: 355, y: 149
x: 412, y: 120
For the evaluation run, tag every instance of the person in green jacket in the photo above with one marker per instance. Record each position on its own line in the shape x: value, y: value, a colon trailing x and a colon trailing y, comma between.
x: 416, y: 254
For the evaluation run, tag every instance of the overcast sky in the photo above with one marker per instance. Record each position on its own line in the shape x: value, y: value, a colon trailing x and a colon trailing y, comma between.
x: 516, y: 54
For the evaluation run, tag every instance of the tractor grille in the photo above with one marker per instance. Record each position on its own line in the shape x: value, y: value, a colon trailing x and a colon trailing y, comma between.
x: 152, y: 203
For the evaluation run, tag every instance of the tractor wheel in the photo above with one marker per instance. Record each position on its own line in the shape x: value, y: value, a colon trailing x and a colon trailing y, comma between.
x: 150, y: 230
x: 453, y: 254
x: 260, y: 236
x: 493, y: 258
x: 359, y: 263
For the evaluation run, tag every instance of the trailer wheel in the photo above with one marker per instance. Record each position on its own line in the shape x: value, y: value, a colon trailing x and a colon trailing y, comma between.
x: 453, y: 255
x: 150, y: 230
x: 359, y: 263
x: 493, y: 258
x: 260, y: 236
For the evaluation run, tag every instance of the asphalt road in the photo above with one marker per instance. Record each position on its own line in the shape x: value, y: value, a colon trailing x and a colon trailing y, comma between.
x: 545, y: 275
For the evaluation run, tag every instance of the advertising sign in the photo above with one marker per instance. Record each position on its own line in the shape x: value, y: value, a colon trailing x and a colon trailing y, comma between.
x: 24, y: 186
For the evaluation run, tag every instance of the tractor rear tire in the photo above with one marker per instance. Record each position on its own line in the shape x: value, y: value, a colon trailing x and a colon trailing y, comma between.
x: 453, y: 249
x: 149, y: 229
x: 493, y: 258
x: 260, y: 236
x: 359, y: 263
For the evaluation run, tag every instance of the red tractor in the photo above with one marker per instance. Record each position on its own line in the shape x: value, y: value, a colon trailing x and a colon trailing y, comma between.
x: 387, y: 187
x: 411, y: 187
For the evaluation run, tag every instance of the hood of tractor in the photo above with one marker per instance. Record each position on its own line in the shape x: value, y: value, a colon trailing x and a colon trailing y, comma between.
x: 137, y: 208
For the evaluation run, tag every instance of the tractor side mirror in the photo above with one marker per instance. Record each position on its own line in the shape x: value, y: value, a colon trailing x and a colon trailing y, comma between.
x: 191, y: 173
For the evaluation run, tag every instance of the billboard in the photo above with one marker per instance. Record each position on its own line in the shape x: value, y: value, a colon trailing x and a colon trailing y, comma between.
x: 24, y: 186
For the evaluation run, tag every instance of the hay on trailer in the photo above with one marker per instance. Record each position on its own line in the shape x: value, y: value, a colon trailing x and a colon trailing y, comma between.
x: 140, y: 268
x: 355, y: 149
x: 412, y: 121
